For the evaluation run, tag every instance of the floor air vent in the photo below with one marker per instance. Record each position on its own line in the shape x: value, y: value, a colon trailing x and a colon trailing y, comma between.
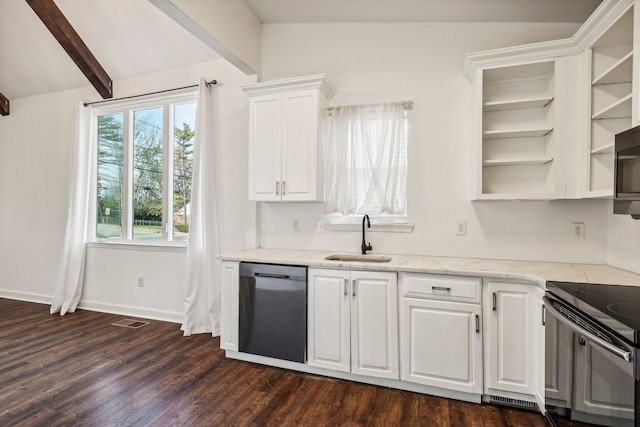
x: 130, y: 323
x: 523, y: 404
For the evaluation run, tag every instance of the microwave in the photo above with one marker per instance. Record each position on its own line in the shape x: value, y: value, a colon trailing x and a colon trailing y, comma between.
x: 626, y: 189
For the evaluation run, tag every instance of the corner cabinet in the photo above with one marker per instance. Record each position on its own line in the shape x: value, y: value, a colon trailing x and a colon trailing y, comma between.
x: 546, y: 113
x: 284, y: 149
x: 353, y: 322
x: 609, y: 61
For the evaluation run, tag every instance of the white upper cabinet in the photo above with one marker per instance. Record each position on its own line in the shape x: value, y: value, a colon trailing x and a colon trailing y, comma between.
x: 517, y: 138
x: 546, y: 113
x: 284, y: 148
x: 609, y: 61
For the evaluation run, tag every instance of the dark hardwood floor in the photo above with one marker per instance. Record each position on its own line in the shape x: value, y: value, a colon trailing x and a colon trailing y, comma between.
x: 80, y: 370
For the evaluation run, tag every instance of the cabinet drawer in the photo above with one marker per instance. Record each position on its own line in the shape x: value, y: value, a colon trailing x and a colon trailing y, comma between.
x: 435, y: 286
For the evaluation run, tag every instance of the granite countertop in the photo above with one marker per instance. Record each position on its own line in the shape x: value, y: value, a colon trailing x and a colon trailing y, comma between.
x: 531, y: 271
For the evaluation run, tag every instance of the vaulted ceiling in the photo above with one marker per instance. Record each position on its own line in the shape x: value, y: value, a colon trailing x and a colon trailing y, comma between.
x: 133, y: 37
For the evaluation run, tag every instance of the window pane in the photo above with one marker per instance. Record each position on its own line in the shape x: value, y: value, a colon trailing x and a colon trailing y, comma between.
x: 147, y: 174
x: 184, y: 124
x: 110, y: 169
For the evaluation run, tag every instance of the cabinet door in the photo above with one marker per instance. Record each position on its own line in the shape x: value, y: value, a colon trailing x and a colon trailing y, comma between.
x: 328, y: 310
x: 442, y: 344
x: 374, y: 324
x: 300, y: 145
x: 229, y: 304
x: 265, y: 151
x: 509, y: 363
x: 603, y: 382
x: 558, y: 362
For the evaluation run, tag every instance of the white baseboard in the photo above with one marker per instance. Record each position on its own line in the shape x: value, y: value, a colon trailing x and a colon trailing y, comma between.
x: 165, y: 316
x: 25, y: 296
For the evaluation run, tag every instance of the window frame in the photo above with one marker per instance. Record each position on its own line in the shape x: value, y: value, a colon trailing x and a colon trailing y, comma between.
x: 127, y: 108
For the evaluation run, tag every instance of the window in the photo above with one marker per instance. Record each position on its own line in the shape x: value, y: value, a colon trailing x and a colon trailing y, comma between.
x: 366, y: 161
x: 145, y: 164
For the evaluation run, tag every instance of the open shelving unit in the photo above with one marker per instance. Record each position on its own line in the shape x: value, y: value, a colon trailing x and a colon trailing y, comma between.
x: 611, y: 60
x: 518, y: 110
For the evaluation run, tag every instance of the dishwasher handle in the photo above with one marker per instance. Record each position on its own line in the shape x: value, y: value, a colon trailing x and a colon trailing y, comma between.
x: 618, y: 351
x: 272, y: 276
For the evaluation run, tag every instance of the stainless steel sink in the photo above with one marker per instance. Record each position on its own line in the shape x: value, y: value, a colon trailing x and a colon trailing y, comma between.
x: 357, y: 258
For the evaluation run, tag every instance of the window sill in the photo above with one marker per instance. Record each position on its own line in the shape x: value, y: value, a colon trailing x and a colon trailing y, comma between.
x: 375, y: 228
x: 139, y: 245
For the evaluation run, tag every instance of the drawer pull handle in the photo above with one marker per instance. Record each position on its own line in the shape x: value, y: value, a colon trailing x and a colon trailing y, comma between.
x: 441, y: 288
x: 277, y: 188
x: 353, y: 287
x: 346, y: 284
x: 477, y: 324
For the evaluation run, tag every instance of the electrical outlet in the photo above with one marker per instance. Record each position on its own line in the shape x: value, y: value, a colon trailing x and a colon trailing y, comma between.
x: 461, y: 228
x: 141, y: 281
x: 321, y: 226
x: 296, y: 225
x: 577, y: 231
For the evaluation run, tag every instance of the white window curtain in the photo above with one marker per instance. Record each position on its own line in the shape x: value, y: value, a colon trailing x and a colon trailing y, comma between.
x: 366, y: 160
x: 68, y: 287
x: 202, y: 306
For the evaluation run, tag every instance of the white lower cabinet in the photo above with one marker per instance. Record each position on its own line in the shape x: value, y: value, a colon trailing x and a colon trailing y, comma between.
x: 229, y: 304
x: 442, y: 344
x: 353, y: 322
x: 514, y: 341
x: 441, y: 339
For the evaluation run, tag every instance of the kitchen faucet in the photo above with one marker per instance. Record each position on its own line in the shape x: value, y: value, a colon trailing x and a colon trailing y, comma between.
x: 365, y: 246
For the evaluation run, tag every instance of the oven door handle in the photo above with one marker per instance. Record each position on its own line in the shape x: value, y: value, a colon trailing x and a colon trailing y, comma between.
x: 620, y: 352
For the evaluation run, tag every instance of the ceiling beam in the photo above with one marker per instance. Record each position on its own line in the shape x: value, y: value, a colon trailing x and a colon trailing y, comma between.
x: 4, y: 105
x: 71, y: 42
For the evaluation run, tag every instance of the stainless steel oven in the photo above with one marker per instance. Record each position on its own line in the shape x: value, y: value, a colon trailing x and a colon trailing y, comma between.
x: 592, y: 340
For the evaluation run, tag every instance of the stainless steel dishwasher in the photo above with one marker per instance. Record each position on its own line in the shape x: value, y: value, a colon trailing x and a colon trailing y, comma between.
x: 273, y: 311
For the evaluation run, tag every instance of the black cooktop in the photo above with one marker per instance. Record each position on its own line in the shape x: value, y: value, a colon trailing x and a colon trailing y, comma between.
x: 617, y: 306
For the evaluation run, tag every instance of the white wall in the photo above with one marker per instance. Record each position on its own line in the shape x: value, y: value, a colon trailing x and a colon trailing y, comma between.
x: 35, y: 145
x: 424, y: 63
x: 623, y: 247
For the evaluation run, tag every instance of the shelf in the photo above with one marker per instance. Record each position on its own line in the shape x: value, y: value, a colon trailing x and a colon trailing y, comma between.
x: 515, y: 133
x: 517, y: 162
x: 517, y: 104
x: 515, y: 196
x: 619, y: 109
x: 605, y: 149
x: 620, y: 72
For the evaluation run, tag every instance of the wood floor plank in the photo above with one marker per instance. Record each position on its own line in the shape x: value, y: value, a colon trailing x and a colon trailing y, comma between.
x: 80, y: 370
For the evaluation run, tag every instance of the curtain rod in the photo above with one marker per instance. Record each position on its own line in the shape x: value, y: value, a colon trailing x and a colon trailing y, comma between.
x: 407, y: 104
x: 209, y: 83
